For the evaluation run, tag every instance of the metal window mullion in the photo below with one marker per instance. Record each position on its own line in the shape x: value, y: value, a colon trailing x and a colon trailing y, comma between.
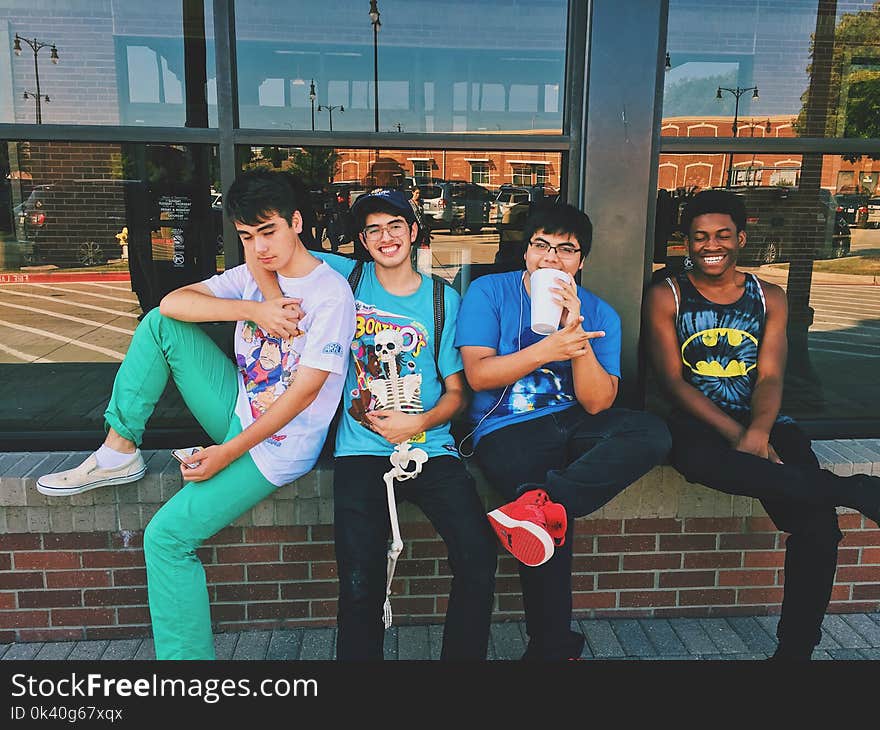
x: 574, y: 110
x: 227, y: 113
x: 98, y: 133
x: 392, y: 141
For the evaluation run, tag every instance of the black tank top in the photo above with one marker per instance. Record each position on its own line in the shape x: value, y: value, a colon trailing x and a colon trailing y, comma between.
x: 719, y: 343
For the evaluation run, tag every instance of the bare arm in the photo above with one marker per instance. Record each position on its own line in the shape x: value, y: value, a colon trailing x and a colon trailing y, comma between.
x: 197, y: 303
x: 397, y: 427
x: 293, y: 401
x: 767, y: 395
x: 659, y: 314
x: 282, y: 314
x: 486, y: 369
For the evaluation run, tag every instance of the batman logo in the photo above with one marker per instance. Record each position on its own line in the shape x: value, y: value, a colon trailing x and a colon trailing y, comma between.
x: 734, y: 352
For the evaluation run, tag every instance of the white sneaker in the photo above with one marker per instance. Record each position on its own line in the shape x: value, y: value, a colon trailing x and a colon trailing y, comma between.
x: 89, y: 475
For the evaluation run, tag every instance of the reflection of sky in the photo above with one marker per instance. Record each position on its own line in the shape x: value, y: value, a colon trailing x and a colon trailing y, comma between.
x: 462, y: 66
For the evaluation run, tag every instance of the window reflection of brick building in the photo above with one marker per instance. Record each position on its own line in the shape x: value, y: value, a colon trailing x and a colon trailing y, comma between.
x: 702, y: 170
x: 491, y: 169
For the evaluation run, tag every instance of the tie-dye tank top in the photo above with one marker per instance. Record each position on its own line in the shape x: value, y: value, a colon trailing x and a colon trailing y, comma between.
x: 719, y: 343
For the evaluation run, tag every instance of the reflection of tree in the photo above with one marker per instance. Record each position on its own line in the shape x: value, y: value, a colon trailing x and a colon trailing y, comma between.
x: 315, y: 166
x: 275, y: 155
x: 814, y: 121
x: 696, y: 97
x: 853, y: 90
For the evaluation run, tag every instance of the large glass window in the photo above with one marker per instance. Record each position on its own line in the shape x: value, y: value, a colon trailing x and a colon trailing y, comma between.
x: 94, y: 62
x: 821, y: 243
x: 92, y: 236
x: 494, y: 65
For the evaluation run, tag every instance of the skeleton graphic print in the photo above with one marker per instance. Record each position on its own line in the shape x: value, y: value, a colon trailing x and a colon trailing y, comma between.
x: 384, y: 354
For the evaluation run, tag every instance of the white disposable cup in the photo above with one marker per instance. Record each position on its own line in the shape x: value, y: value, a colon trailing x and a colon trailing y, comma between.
x: 545, y: 311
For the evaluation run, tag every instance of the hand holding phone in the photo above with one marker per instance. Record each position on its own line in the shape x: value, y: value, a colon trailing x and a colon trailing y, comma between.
x: 180, y: 454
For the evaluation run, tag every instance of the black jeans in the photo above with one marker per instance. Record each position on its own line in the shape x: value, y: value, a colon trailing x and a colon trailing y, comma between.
x: 799, y: 497
x: 582, y: 461
x: 445, y: 492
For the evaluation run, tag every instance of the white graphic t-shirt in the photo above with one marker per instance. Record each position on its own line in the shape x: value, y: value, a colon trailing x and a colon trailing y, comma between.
x: 267, y: 365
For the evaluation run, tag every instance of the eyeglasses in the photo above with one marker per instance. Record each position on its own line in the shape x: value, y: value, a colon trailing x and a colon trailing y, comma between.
x: 563, y: 250
x: 396, y: 229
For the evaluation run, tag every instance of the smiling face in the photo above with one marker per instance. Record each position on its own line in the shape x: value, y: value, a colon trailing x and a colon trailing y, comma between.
x: 388, y: 238
x: 273, y: 241
x: 714, y: 243
x: 564, y: 256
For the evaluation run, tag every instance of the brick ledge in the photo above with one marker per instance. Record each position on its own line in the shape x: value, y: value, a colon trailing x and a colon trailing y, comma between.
x: 309, y: 500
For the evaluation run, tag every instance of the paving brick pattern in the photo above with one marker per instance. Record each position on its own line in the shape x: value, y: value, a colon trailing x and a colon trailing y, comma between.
x: 850, y: 637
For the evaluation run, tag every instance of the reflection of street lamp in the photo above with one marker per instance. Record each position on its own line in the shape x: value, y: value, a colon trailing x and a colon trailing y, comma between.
x: 53, y: 56
x: 737, y: 92
x: 374, y: 19
x: 312, y: 97
x: 329, y: 108
x: 767, y: 129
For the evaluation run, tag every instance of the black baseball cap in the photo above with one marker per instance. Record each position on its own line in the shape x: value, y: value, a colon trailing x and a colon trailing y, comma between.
x: 381, y: 200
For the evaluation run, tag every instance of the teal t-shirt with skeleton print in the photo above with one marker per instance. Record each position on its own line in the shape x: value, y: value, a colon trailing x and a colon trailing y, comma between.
x: 392, y: 364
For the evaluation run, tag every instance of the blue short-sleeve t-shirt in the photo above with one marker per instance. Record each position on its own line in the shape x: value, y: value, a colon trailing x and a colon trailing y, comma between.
x: 495, y: 312
x: 392, y: 365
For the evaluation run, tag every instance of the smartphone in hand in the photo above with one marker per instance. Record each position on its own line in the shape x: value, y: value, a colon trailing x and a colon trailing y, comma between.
x: 179, y: 454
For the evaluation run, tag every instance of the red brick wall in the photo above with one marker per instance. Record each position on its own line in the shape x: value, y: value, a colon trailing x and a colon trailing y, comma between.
x: 93, y: 585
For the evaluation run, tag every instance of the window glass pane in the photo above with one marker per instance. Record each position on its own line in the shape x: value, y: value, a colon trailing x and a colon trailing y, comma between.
x: 496, y: 65
x: 717, y: 48
x: 117, y: 63
x: 92, y: 235
x: 475, y: 228
x: 813, y: 228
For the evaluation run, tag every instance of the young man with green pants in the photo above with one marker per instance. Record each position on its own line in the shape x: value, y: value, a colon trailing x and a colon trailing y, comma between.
x: 268, y: 413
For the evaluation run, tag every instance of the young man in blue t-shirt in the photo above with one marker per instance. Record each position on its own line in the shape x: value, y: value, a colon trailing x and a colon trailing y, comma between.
x: 545, y: 433
x: 395, y: 391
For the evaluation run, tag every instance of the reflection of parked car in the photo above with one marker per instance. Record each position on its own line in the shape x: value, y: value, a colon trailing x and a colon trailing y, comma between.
x: 512, y: 218
x: 31, y: 217
x: 873, y: 217
x: 853, y: 207
x: 455, y: 205
x: 777, y: 219
x: 509, y: 196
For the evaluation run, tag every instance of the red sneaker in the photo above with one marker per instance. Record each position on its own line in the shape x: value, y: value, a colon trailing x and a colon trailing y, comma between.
x: 557, y: 521
x: 522, y: 527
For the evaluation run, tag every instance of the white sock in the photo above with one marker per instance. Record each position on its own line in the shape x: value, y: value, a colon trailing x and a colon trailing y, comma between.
x: 111, y: 458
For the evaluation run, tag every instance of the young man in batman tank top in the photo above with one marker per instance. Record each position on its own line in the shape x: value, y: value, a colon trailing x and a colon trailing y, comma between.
x: 718, y: 345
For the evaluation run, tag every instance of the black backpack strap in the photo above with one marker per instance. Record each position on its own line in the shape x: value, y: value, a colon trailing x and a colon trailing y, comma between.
x: 439, y: 315
x: 354, y: 278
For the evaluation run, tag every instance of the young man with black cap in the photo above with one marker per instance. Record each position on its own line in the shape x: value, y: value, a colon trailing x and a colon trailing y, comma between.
x: 401, y: 386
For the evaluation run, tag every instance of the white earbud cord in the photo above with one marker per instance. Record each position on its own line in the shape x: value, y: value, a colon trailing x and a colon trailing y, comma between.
x: 522, y: 293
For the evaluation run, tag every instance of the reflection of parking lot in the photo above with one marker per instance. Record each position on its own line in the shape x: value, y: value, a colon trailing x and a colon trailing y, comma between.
x: 80, y: 321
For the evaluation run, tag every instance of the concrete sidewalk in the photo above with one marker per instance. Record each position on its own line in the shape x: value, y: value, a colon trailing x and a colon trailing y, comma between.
x: 850, y: 636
